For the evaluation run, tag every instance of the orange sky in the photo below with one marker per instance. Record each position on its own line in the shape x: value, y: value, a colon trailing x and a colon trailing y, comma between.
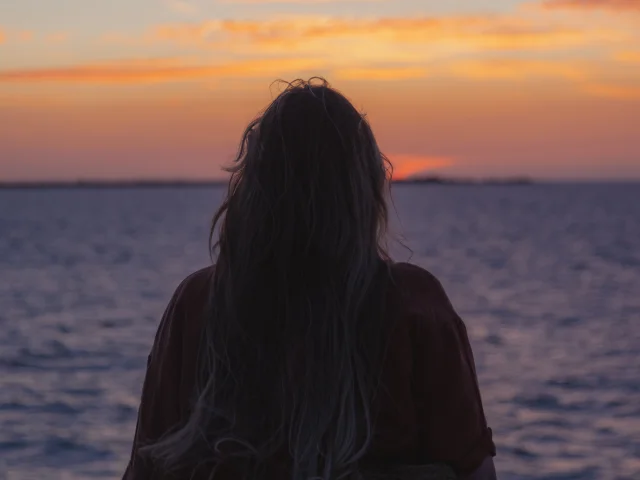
x: 163, y: 89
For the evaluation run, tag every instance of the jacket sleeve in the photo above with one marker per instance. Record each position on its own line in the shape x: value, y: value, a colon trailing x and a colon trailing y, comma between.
x: 452, y: 427
x: 160, y: 408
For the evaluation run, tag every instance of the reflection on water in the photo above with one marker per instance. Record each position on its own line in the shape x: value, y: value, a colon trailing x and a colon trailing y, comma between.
x: 547, y: 279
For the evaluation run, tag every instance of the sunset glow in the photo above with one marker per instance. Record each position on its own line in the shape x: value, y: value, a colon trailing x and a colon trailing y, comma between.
x: 406, y: 166
x: 163, y: 88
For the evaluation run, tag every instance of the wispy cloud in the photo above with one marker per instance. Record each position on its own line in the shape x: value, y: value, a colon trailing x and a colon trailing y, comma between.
x: 516, y: 69
x: 24, y: 36
x: 58, y: 37
x: 453, y: 34
x: 300, y: 2
x: 628, y: 57
x: 617, y: 5
x: 158, y: 70
x: 177, y: 70
x: 182, y: 7
x: 28, y: 36
x: 380, y: 73
x: 622, y: 92
x: 490, y: 46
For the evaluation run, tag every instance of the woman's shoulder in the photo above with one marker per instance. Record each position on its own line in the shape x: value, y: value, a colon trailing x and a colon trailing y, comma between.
x: 195, y: 286
x: 183, y: 316
x: 199, y: 278
x: 418, y: 290
x: 413, y: 275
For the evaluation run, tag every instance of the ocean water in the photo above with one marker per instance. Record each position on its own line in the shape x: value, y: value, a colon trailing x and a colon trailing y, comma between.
x: 546, y: 277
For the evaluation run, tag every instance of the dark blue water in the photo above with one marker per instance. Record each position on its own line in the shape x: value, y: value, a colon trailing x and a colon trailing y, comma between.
x: 547, y: 279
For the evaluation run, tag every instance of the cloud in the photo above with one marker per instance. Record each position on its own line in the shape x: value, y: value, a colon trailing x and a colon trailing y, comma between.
x: 621, y: 92
x: 628, y: 57
x: 407, y: 165
x: 166, y: 70
x: 380, y: 73
x: 514, y: 69
x: 58, y: 37
x: 616, y: 5
x: 491, y: 46
x: 182, y: 7
x: 116, y: 38
x: 300, y: 2
x: 20, y: 36
x: 24, y: 36
x: 447, y: 34
x: 158, y: 70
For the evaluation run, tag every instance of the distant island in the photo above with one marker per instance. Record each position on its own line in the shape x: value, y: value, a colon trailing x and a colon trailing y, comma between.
x: 93, y: 184
x: 436, y: 180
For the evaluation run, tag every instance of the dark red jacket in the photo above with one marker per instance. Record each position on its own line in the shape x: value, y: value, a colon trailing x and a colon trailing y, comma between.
x: 429, y: 406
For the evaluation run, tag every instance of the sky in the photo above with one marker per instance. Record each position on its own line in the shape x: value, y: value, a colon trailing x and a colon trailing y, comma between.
x: 162, y: 89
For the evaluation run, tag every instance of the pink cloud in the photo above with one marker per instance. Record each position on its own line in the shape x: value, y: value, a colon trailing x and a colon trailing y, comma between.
x: 616, y: 91
x: 25, y: 36
x: 618, y: 5
x: 58, y: 37
x: 301, y: 2
x: 156, y: 70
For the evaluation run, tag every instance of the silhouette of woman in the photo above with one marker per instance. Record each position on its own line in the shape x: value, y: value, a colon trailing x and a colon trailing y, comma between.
x: 305, y: 352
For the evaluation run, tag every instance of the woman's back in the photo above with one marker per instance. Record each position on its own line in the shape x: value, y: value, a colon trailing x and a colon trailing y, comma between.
x: 306, y: 353
x: 427, y: 408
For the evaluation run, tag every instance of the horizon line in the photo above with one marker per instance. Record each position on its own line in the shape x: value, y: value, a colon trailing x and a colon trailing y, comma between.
x: 221, y: 182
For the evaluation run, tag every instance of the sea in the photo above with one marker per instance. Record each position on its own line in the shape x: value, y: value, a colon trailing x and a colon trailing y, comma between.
x: 545, y: 276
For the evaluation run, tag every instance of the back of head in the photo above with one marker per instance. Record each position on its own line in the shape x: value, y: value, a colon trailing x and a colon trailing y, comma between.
x: 290, y: 355
x: 309, y: 178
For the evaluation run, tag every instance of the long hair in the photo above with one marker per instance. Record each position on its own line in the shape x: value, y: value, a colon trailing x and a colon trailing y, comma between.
x: 291, y: 351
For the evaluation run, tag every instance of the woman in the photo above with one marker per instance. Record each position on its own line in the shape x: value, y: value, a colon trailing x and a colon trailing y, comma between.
x: 305, y: 352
